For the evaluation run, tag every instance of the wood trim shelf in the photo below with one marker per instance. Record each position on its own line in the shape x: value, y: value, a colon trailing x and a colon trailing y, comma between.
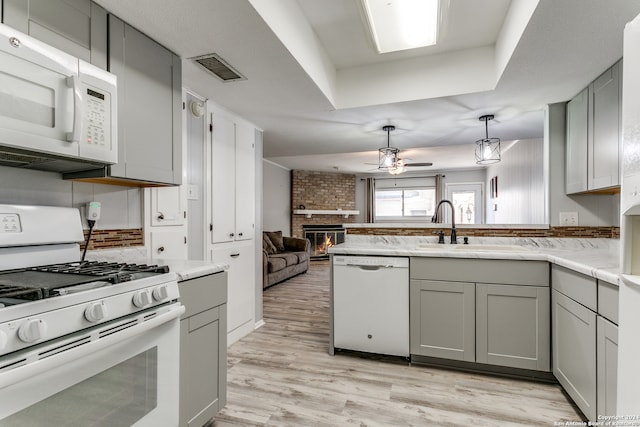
x: 310, y: 212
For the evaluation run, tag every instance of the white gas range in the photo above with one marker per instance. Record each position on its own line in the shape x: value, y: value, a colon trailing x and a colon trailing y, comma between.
x: 82, y: 343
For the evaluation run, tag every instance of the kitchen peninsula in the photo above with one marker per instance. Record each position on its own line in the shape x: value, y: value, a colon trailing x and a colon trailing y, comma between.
x: 511, y: 305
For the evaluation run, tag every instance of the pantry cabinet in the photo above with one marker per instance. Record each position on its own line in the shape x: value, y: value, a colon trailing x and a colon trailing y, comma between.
x: 593, y: 138
x: 241, y: 286
x: 494, y: 312
x: 232, y: 179
x: 78, y: 27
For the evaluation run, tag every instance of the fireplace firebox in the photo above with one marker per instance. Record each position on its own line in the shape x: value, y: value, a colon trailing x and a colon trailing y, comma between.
x: 322, y: 237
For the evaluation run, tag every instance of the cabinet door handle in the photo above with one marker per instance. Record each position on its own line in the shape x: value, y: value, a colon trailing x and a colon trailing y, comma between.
x: 231, y: 234
x: 161, y: 216
x: 161, y: 249
x: 240, y: 234
x: 234, y: 255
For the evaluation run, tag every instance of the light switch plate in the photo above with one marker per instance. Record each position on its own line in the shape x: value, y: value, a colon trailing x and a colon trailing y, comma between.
x: 568, y: 219
x: 192, y: 192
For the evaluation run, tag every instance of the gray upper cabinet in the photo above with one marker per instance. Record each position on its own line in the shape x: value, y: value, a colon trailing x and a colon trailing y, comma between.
x: 513, y: 326
x: 605, y: 104
x: 149, y: 107
x: 593, y: 144
x: 577, y: 137
x: 78, y: 27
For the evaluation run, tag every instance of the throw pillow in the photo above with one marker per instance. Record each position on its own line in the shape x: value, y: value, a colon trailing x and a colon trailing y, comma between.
x: 276, y: 239
x: 267, y: 245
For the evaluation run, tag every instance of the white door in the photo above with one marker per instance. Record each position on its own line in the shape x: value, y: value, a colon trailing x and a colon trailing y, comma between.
x: 245, y: 182
x: 467, y: 202
x: 223, y: 177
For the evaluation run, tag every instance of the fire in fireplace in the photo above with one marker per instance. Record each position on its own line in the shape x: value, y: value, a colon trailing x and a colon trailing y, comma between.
x: 322, y: 237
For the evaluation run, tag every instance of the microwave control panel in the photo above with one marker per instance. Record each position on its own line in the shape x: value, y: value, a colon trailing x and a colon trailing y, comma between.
x: 10, y: 223
x: 97, y: 109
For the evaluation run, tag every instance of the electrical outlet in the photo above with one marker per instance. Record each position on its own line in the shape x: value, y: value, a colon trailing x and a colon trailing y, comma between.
x: 568, y: 219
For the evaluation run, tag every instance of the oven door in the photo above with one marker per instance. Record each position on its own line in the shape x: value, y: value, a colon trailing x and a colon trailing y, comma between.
x: 121, y: 374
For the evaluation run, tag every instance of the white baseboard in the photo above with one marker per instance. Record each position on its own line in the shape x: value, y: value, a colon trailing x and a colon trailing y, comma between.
x: 259, y: 324
x: 240, y: 332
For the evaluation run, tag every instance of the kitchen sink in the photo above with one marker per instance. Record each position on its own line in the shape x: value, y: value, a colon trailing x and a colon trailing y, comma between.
x: 471, y: 248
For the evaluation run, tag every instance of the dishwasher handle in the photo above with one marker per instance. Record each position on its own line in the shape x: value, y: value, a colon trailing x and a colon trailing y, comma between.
x: 370, y: 267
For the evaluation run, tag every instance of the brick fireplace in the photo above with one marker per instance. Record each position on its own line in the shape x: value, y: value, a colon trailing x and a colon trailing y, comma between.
x: 321, y: 191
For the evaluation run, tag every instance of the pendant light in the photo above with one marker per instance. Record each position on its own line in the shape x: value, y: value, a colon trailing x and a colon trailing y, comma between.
x: 487, y: 149
x: 388, y: 156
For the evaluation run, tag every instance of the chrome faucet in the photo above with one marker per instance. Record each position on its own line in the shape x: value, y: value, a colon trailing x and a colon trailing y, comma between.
x: 434, y: 218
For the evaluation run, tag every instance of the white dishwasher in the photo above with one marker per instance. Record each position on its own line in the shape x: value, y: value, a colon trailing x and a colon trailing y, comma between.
x: 370, y: 299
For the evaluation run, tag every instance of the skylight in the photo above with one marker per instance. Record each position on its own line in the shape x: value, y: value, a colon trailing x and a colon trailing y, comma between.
x: 402, y: 24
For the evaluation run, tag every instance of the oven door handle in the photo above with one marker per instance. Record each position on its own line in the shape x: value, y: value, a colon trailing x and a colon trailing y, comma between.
x: 40, y: 366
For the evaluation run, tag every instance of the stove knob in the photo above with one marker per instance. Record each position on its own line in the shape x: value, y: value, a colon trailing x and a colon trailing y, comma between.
x: 3, y: 340
x: 141, y: 299
x: 96, y: 312
x: 32, y: 330
x: 160, y: 293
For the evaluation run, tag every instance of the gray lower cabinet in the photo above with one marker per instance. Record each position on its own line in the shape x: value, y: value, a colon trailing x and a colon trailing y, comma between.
x: 494, y: 312
x: 203, y: 349
x: 78, y: 27
x: 574, y: 351
x: 585, y: 340
x: 607, y: 366
x: 442, y: 319
x: 512, y: 326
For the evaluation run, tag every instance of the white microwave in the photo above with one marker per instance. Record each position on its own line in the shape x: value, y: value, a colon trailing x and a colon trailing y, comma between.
x: 57, y: 112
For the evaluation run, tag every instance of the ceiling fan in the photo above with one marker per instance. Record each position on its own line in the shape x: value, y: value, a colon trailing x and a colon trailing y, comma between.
x: 388, y: 157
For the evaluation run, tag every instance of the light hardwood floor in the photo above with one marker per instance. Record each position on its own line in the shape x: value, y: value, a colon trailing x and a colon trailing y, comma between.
x: 282, y: 375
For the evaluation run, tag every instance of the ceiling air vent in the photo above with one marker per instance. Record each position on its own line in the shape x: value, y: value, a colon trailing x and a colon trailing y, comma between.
x: 219, y: 68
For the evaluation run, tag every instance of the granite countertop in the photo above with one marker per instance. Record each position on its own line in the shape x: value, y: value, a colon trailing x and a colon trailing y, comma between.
x: 184, y: 269
x: 598, y: 258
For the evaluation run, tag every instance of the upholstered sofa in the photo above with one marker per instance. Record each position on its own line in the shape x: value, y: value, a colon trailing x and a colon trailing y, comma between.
x: 283, y: 257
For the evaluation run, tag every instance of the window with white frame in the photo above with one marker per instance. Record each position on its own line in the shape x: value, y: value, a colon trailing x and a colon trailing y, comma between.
x: 415, y: 203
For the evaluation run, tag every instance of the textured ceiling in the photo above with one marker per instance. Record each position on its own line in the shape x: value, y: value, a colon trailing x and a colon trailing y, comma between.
x: 298, y: 88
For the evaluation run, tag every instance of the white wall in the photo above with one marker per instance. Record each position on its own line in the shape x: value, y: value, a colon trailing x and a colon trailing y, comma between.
x: 121, y: 206
x: 276, y: 187
x: 520, y: 185
x: 595, y: 210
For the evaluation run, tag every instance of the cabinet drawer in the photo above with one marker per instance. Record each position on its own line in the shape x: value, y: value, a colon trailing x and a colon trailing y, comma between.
x: 576, y: 286
x: 508, y: 272
x: 203, y: 293
x: 608, y: 301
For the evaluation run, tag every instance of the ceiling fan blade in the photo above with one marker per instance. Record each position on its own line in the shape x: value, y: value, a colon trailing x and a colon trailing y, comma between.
x: 419, y: 164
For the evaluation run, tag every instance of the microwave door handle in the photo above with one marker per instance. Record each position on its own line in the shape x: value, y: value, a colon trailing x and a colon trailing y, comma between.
x: 73, y: 83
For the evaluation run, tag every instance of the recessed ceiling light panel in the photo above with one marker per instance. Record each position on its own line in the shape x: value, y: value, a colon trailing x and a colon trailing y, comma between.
x: 402, y: 24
